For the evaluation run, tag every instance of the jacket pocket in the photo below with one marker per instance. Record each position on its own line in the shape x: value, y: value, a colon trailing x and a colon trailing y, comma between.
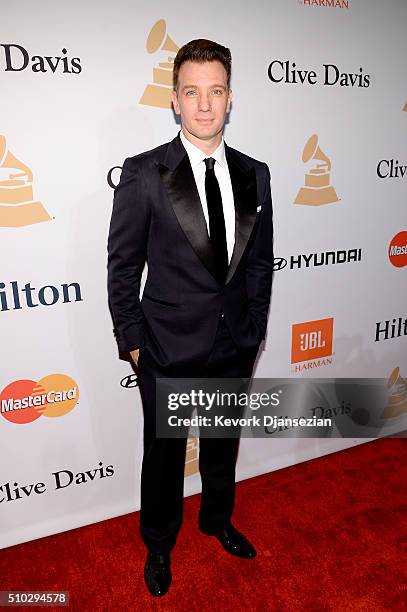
x: 159, y: 301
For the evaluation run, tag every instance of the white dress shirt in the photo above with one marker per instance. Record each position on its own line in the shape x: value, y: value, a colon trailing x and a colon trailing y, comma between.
x: 196, y: 158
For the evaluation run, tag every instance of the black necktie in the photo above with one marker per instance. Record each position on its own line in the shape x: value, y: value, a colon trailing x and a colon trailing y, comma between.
x: 217, y: 229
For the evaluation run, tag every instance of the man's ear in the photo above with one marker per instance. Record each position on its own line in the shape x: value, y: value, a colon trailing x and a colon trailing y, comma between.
x: 175, y: 102
x: 230, y: 97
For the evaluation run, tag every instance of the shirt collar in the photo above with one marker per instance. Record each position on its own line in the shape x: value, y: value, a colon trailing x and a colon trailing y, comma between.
x: 196, y: 156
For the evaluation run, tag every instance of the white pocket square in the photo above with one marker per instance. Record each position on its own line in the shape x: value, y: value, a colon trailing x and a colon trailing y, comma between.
x: 259, y: 208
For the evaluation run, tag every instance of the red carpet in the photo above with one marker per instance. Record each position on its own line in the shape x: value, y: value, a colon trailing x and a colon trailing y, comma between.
x: 331, y: 535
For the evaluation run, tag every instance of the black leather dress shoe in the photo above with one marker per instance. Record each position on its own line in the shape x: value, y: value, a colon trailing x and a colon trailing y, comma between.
x: 234, y: 542
x: 157, y: 573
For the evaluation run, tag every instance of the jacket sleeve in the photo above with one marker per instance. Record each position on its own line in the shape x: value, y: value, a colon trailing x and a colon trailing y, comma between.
x: 127, y: 251
x: 259, y: 270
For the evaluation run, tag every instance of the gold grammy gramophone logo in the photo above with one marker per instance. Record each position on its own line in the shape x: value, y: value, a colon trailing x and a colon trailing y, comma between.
x: 317, y: 189
x: 17, y: 206
x: 405, y: 107
x: 158, y: 93
x: 397, y: 402
x: 191, y: 457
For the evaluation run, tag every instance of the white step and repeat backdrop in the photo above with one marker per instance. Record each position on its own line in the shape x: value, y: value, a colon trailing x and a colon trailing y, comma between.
x: 320, y: 94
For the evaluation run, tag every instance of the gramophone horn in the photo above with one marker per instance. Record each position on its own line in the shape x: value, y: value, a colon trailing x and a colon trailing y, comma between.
x: 8, y: 160
x: 157, y: 39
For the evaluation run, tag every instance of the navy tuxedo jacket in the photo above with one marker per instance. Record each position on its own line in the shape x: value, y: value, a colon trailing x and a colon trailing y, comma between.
x: 157, y: 218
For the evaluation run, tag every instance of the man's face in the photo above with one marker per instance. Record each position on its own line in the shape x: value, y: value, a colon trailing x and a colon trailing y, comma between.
x: 202, y: 99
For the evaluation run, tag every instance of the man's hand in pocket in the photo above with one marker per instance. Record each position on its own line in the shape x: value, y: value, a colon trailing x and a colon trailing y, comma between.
x: 135, y: 355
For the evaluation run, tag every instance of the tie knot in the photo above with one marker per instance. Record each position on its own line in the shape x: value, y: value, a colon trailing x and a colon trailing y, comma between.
x: 209, y: 163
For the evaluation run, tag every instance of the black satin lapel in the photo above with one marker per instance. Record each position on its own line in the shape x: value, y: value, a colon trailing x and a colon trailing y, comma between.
x: 184, y: 197
x: 245, y: 198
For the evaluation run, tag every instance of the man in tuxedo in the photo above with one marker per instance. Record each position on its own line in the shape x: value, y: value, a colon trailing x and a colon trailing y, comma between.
x: 199, y: 213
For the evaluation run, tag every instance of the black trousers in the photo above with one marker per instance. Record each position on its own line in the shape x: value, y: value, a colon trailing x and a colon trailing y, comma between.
x: 162, y: 476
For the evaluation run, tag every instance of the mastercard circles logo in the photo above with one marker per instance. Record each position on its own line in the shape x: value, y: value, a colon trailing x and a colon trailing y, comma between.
x: 398, y: 250
x: 24, y: 401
